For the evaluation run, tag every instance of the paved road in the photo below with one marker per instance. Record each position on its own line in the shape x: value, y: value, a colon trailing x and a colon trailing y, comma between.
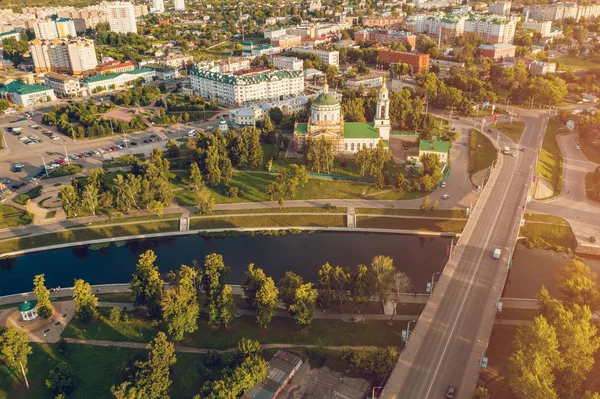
x: 447, y: 342
x: 572, y: 204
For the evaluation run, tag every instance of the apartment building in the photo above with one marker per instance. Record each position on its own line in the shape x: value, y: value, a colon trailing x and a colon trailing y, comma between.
x: 419, y: 62
x: 287, y: 41
x: 497, y: 51
x: 560, y: 11
x: 381, y: 21
x: 246, y: 89
x: 492, y: 29
x: 10, y: 34
x: 288, y: 63
x: 386, y: 36
x: 326, y: 57
x: 543, y: 27
x: 316, y: 29
x: 121, y: 17
x: 158, y: 6
x: 272, y: 34
x: 63, y: 85
x: 500, y: 8
x: 115, y: 66
x: 73, y: 56
x: 179, y: 5
x: 228, y: 65
x: 542, y: 68
x: 367, y: 82
x: 450, y: 26
x: 58, y: 28
x: 248, y: 116
x: 177, y: 61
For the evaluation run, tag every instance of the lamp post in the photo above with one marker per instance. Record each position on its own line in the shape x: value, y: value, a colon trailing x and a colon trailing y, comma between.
x: 432, y: 282
x: 408, y: 331
x: 44, y: 162
x: 373, y: 391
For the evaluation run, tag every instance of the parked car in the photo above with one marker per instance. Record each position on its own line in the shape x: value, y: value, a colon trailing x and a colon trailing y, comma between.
x: 445, y: 196
x: 451, y: 392
x: 443, y: 185
x: 133, y: 143
x: 577, y: 147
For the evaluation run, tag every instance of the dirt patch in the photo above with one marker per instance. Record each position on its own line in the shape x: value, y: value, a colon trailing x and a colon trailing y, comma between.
x: 124, y: 114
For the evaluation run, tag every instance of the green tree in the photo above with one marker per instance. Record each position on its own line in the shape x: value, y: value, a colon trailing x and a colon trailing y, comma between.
x: 288, y: 285
x: 213, y: 165
x: 206, y: 202
x: 577, y: 284
x: 300, y: 174
x: 319, y: 154
x: 172, y: 149
x: 14, y: 346
x: 377, y: 362
x: 530, y: 369
x: 222, y: 310
x: 42, y: 294
x: 302, y: 307
x: 341, y: 284
x: 180, y: 306
x: 426, y: 203
x: 266, y: 302
x: 69, y: 200
x: 360, y: 287
x: 85, y: 301
x: 481, y: 393
x: 146, y: 285
x: 253, y: 281
x: 325, y: 285
x: 196, y: 176
x: 382, y: 272
x: 152, y: 376
x: 62, y: 379
x: 268, y: 126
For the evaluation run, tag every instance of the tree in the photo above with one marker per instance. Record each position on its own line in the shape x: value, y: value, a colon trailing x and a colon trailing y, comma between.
x: 302, y: 307
x: 223, y: 310
x: 69, y: 200
x: 146, y: 285
x: 288, y: 285
x: 14, y: 346
x: 247, y: 149
x: 300, y: 174
x: 212, y: 165
x: 577, y: 284
x: 319, y: 154
x: 152, y: 376
x: 360, y: 288
x: 325, y: 285
x: 377, y: 362
x: 206, y: 203
x: 481, y: 393
x: 341, y: 280
x: 530, y: 369
x: 401, y: 284
x: 268, y: 126
x: 61, y: 379
x: 253, y: 282
x: 266, y: 302
x: 195, y: 175
x: 382, y: 272
x: 219, y: 300
x: 180, y: 306
x: 426, y: 203
x: 42, y: 294
x: 85, y: 301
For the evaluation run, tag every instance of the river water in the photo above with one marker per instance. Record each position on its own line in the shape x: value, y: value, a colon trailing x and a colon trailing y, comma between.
x: 303, y: 254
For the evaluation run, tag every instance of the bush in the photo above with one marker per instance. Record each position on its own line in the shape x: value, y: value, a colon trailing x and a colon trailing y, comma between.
x: 61, y: 379
x: 62, y: 346
x: 232, y: 192
x: 114, y: 315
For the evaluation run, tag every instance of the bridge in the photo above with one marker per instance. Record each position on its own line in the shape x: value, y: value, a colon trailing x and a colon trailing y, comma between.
x: 448, y: 343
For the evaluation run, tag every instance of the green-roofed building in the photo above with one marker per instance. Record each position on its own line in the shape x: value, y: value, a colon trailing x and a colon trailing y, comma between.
x: 26, y: 94
x: 326, y: 120
x: 441, y: 148
x: 28, y: 310
x: 99, y: 84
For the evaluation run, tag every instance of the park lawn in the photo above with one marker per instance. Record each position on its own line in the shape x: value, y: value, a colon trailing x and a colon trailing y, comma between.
x: 138, y: 329
x: 66, y: 170
x: 316, y: 209
x: 75, y: 235
x: 559, y: 237
x: 31, y: 194
x: 550, y: 162
x: 118, y: 217
x: 484, y: 151
x: 180, y: 179
x: 123, y: 160
x: 539, y: 217
x: 590, y: 148
x: 512, y: 130
x: 447, y: 213
x: 97, y: 369
x: 399, y: 223
x: 12, y: 217
x: 201, y: 223
x: 572, y: 63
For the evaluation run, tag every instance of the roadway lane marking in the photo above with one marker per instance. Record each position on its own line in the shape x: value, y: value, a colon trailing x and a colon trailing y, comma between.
x: 487, y: 241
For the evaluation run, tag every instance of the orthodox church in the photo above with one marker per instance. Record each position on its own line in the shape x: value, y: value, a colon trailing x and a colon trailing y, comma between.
x: 326, y: 120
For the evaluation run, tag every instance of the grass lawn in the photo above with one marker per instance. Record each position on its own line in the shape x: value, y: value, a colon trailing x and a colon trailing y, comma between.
x: 590, y: 148
x: 446, y: 213
x: 559, y: 237
x: 86, y: 234
x: 551, y: 160
x: 118, y: 217
x: 123, y: 160
x: 97, y: 369
x: 137, y: 329
x: 538, y: 217
x: 399, y: 223
x: 50, y: 215
x: 513, y: 130
x: 31, y: 194
x: 268, y: 221
x: 572, y: 63
x: 115, y: 297
x: 66, y: 170
x: 12, y: 217
x: 482, y: 150
x: 316, y: 209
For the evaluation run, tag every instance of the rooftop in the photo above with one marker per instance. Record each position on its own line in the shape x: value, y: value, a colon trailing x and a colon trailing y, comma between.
x: 245, y: 80
x: 360, y: 130
x: 113, y: 76
x: 27, y: 306
x: 22, y: 88
x: 434, y: 145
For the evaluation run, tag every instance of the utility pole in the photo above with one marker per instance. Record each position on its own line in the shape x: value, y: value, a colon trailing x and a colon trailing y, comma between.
x: 45, y: 167
x: 66, y: 154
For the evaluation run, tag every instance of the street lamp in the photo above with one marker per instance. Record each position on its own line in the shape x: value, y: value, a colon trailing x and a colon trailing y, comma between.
x: 44, y: 162
x: 373, y: 391
x: 408, y: 331
x: 432, y: 282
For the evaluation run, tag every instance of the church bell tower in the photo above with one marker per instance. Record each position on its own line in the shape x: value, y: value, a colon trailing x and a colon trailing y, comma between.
x: 382, y: 114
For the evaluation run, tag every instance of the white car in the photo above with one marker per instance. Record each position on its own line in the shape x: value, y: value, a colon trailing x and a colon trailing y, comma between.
x: 443, y: 185
x: 577, y: 147
x: 445, y: 196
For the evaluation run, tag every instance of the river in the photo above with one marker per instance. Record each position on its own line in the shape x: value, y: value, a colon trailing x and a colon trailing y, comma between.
x: 303, y: 254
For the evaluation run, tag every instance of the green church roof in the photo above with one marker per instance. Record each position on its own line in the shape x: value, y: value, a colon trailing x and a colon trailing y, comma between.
x: 360, y: 130
x: 325, y: 99
x: 27, y: 306
x: 434, y: 145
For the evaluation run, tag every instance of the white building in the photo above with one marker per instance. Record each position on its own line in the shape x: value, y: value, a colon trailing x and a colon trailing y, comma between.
x: 99, y: 84
x: 158, y: 6
x: 13, y: 33
x: 179, y: 5
x: 275, y: 33
x: 63, y: 85
x: 560, y: 11
x: 248, y: 116
x: 326, y: 57
x: 74, y: 56
x: 291, y: 63
x: 542, y: 68
x: 228, y: 65
x: 367, y: 82
x: 314, y: 5
x: 241, y: 90
x: 55, y: 29
x: 543, y: 27
x: 121, y: 17
x: 500, y: 8
x: 25, y: 94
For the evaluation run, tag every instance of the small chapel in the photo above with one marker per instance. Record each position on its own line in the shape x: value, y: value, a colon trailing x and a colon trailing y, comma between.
x: 326, y: 120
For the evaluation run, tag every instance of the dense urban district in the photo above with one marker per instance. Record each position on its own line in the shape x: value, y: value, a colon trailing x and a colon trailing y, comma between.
x: 471, y: 122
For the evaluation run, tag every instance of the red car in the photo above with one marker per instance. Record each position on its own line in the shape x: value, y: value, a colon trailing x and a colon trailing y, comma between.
x: 205, y: 120
x: 61, y: 161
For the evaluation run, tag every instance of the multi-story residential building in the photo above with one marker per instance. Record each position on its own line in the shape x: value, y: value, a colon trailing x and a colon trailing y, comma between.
x: 121, y: 17
x: 497, y: 51
x: 314, y: 5
x: 177, y: 61
x: 246, y: 89
x: 316, y: 29
x: 63, y: 85
x: 158, y: 6
x: 450, y: 26
x: 228, y: 65
x: 287, y: 41
x: 57, y: 28
x: 251, y: 50
x: 272, y: 34
x: 326, y: 57
x: 26, y: 94
x: 419, y: 62
x: 381, y: 21
x: 74, y: 56
x: 179, y: 5
x: 492, y: 29
x: 543, y: 27
x: 98, y: 84
x: 542, y: 68
x: 290, y: 63
x: 114, y: 66
x: 386, y: 36
x: 500, y: 8
x: 561, y: 10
